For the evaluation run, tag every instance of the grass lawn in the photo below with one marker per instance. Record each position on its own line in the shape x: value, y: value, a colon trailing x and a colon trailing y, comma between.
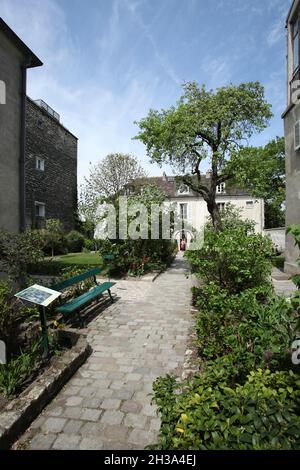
x: 78, y: 259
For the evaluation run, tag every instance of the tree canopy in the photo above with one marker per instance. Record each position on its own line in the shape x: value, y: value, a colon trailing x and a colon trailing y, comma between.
x: 107, y: 178
x: 205, y: 126
x: 261, y: 170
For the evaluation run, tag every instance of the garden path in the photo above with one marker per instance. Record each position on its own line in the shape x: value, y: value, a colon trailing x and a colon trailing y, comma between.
x: 107, y: 403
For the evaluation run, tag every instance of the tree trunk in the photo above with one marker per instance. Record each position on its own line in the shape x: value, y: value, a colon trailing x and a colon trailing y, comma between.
x: 214, y: 211
x: 52, y: 251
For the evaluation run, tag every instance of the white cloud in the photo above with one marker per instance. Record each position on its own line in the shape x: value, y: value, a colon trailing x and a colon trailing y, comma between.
x: 100, y: 116
x: 276, y: 33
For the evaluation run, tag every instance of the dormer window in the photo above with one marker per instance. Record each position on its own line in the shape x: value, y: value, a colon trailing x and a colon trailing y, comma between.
x: 221, y: 188
x: 183, y: 189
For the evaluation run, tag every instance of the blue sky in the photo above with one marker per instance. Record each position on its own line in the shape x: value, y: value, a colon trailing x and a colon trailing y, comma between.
x: 106, y: 62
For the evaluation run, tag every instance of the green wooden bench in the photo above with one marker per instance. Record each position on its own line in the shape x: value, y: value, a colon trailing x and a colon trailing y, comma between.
x: 75, y: 305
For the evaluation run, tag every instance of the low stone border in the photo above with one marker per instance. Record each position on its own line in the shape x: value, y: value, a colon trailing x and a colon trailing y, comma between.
x: 19, y: 413
x: 191, y: 365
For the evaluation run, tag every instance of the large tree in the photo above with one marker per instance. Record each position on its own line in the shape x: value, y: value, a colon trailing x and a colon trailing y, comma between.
x: 205, y: 127
x: 262, y: 171
x: 107, y: 178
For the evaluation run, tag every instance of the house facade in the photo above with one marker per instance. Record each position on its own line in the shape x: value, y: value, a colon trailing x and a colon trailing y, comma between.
x: 15, y: 59
x: 50, y: 168
x: 192, y: 208
x: 292, y: 133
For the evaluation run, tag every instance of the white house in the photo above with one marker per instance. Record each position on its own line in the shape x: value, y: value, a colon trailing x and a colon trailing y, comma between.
x: 192, y: 207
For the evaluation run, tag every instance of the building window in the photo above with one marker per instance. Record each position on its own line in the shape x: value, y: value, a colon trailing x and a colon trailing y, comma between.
x: 183, y: 211
x: 295, y: 36
x: 249, y: 204
x: 40, y: 164
x: 221, y: 205
x: 183, y: 189
x: 297, y: 135
x: 221, y: 188
x: 39, y: 209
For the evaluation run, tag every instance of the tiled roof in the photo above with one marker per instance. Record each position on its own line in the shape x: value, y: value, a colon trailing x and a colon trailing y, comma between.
x: 169, y: 185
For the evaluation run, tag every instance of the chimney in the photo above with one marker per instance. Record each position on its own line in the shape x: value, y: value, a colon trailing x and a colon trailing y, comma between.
x: 164, y: 176
x: 208, y: 174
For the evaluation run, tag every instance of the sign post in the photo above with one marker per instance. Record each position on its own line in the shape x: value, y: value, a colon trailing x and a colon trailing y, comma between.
x: 41, y: 296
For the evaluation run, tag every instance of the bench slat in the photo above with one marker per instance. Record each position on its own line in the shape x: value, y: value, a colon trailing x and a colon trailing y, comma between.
x: 83, y: 299
x: 75, y: 279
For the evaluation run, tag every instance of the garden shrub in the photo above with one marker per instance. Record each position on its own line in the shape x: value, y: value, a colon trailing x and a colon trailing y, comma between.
x: 254, y: 329
x: 261, y: 414
x: 248, y: 395
x: 74, y: 241
x: 236, y: 258
x: 13, y: 374
x: 18, y: 251
x: 7, y: 312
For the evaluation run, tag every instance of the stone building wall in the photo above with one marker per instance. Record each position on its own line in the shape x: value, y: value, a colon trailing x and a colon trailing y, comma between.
x: 56, y: 185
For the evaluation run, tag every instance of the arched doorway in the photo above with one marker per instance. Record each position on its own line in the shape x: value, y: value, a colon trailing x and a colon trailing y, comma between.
x: 183, y: 238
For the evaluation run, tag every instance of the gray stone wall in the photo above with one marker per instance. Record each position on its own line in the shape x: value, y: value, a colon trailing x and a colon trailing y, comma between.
x: 293, y: 188
x: 56, y: 186
x: 10, y: 128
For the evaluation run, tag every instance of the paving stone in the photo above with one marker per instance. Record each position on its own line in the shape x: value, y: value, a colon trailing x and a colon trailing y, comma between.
x: 149, y: 410
x: 112, y: 417
x: 73, y: 426
x: 67, y: 442
x: 122, y: 394
x: 53, y: 425
x: 131, y: 406
x: 89, y: 414
x: 142, y: 438
x: 135, y: 420
x: 115, y: 432
x: 107, y: 404
x: 71, y: 412
x: 92, y: 403
x: 155, y: 424
x: 42, y: 441
x: 91, y: 443
x: 111, y: 404
x: 74, y: 401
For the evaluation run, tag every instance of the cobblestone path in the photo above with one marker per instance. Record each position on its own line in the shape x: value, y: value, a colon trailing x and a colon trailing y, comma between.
x: 107, y: 403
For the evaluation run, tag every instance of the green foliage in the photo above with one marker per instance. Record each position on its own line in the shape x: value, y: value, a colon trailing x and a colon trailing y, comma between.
x: 7, y: 313
x: 77, y: 289
x: 74, y: 241
x: 248, y: 395
x: 139, y: 254
x: 295, y: 231
x: 13, y: 374
x: 205, y: 126
x: 209, y: 414
x: 17, y: 251
x: 52, y: 234
x: 253, y: 328
x: 107, y: 178
x: 278, y: 261
x: 236, y: 258
x: 261, y: 170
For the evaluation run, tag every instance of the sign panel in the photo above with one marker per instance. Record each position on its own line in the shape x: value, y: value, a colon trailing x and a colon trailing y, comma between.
x: 39, y: 295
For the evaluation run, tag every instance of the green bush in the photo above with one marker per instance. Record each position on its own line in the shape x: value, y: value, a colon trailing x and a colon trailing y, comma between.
x: 89, y: 244
x: 136, y: 256
x: 13, y: 374
x: 278, y: 261
x: 261, y: 414
x: 235, y: 258
x: 7, y: 312
x: 254, y: 328
x: 74, y: 241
